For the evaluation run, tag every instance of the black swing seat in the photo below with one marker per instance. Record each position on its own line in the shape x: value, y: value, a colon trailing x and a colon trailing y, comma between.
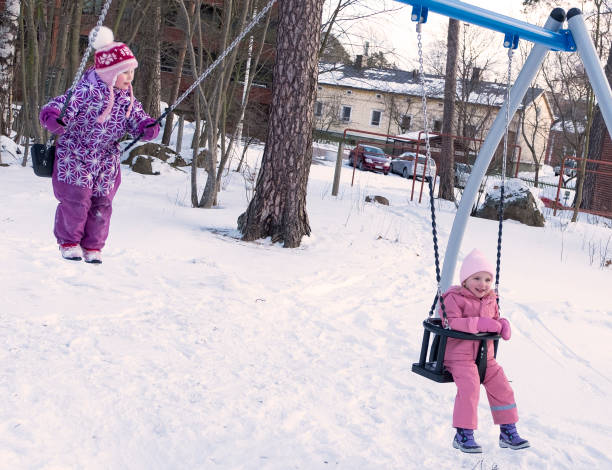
x: 434, y: 368
x: 42, y: 159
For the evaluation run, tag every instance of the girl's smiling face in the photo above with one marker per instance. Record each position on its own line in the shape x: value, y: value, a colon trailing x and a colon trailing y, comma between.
x: 479, y: 284
x: 124, y: 79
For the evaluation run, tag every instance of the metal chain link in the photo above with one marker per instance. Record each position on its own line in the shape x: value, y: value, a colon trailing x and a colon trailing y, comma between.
x: 92, y: 39
x: 503, y: 171
x: 429, y: 182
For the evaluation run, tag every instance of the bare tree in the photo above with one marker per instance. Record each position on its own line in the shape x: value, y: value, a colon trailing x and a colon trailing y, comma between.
x: 447, y: 189
x: 278, y: 208
x: 534, y: 128
x: 148, y: 82
x: 9, y: 26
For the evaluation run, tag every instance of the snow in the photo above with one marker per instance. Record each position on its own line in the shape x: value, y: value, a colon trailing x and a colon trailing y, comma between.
x: 191, y: 349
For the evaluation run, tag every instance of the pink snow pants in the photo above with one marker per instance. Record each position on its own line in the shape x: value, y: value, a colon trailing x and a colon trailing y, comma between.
x: 499, y: 393
x: 82, y: 218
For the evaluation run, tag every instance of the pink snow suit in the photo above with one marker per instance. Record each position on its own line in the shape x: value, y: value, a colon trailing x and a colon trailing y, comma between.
x: 463, y: 310
x: 86, y: 173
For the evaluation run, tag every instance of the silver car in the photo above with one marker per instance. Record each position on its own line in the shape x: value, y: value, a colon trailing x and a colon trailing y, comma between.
x: 404, y: 165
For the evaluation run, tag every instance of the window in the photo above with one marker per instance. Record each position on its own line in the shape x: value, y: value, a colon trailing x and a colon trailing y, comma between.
x: 375, y: 118
x: 319, y: 88
x: 318, y: 110
x: 437, y: 127
x: 406, y: 120
x: 349, y: 92
x: 378, y: 95
x: 346, y: 113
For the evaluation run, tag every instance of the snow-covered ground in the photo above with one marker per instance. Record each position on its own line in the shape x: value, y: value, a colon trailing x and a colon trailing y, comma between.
x: 191, y: 349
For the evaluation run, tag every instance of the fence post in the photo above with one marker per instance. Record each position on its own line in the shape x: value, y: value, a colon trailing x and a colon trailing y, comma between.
x: 338, y: 168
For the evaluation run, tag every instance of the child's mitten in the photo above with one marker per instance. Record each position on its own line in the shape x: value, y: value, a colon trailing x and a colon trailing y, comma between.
x: 149, y: 129
x: 505, y: 329
x: 49, y: 117
x: 488, y: 325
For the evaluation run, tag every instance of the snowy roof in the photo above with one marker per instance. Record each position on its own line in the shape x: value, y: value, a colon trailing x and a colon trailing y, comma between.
x: 568, y: 126
x: 407, y: 83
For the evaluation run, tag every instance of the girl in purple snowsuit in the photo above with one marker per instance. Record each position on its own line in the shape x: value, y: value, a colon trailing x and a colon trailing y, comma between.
x: 87, y: 173
x: 472, y: 308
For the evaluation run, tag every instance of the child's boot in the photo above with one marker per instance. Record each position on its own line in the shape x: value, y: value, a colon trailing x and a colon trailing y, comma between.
x: 71, y: 252
x: 92, y: 256
x: 509, y: 437
x: 464, y: 441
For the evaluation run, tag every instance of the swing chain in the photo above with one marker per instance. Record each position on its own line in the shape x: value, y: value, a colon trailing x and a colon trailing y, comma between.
x: 503, y: 172
x: 438, y: 296
x: 81, y: 68
x: 210, y: 68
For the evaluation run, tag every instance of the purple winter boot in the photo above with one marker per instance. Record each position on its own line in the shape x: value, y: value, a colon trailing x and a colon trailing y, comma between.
x: 464, y: 441
x: 509, y: 437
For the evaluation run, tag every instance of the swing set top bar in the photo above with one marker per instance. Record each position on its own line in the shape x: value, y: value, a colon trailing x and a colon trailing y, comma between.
x: 512, y: 28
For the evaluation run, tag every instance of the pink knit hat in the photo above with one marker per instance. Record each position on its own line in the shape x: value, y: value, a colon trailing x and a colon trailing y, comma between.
x: 473, y: 263
x: 111, y: 59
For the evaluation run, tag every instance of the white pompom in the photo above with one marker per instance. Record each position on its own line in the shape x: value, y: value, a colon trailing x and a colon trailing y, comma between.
x: 104, y: 37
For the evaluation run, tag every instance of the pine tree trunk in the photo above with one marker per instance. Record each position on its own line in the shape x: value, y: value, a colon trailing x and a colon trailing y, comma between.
x: 9, y: 26
x: 278, y: 209
x: 596, y: 140
x: 447, y: 152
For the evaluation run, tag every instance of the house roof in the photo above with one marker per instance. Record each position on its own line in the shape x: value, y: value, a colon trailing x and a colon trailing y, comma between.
x: 407, y: 83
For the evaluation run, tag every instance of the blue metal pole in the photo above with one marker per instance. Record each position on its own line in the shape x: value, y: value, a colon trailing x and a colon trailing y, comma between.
x: 495, y: 134
x: 511, y: 27
x: 592, y: 64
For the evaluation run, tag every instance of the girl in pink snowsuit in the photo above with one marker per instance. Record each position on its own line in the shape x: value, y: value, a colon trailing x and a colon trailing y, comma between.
x: 472, y: 308
x: 86, y: 173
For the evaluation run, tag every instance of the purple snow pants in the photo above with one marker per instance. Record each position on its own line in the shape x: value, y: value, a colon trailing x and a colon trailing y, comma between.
x: 82, y: 218
x: 499, y: 393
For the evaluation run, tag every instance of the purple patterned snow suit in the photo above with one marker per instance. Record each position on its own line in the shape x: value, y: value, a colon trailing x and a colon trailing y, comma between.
x: 87, y: 174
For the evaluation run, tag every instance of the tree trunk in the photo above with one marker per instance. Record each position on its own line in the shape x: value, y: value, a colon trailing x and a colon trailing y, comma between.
x: 596, y: 140
x: 60, y: 79
x: 148, y: 81
x: 9, y: 26
x: 278, y: 209
x: 447, y: 152
x: 180, y: 61
x: 75, y: 53
x: 32, y: 73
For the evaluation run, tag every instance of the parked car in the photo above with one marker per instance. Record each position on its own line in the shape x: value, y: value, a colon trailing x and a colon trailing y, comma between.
x: 569, y: 168
x: 404, y: 165
x: 462, y: 173
x: 368, y: 157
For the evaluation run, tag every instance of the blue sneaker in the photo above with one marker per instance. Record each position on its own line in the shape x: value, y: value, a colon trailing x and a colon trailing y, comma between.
x: 509, y: 437
x: 464, y: 441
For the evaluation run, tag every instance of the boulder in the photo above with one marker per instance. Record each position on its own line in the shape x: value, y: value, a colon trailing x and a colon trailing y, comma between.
x: 519, y: 204
x: 379, y: 199
x: 143, y: 165
x: 152, y: 150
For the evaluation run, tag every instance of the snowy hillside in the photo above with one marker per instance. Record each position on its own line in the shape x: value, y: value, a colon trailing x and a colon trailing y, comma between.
x: 190, y: 349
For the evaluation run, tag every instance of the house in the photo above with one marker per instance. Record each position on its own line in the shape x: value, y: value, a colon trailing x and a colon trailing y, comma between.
x: 388, y: 101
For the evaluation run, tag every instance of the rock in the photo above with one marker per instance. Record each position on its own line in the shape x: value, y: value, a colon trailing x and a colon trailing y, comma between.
x: 143, y: 165
x: 519, y: 204
x: 379, y: 199
x: 152, y: 150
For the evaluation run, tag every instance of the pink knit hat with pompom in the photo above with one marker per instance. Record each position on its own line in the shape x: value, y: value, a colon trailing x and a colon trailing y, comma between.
x: 111, y: 59
x: 475, y: 262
